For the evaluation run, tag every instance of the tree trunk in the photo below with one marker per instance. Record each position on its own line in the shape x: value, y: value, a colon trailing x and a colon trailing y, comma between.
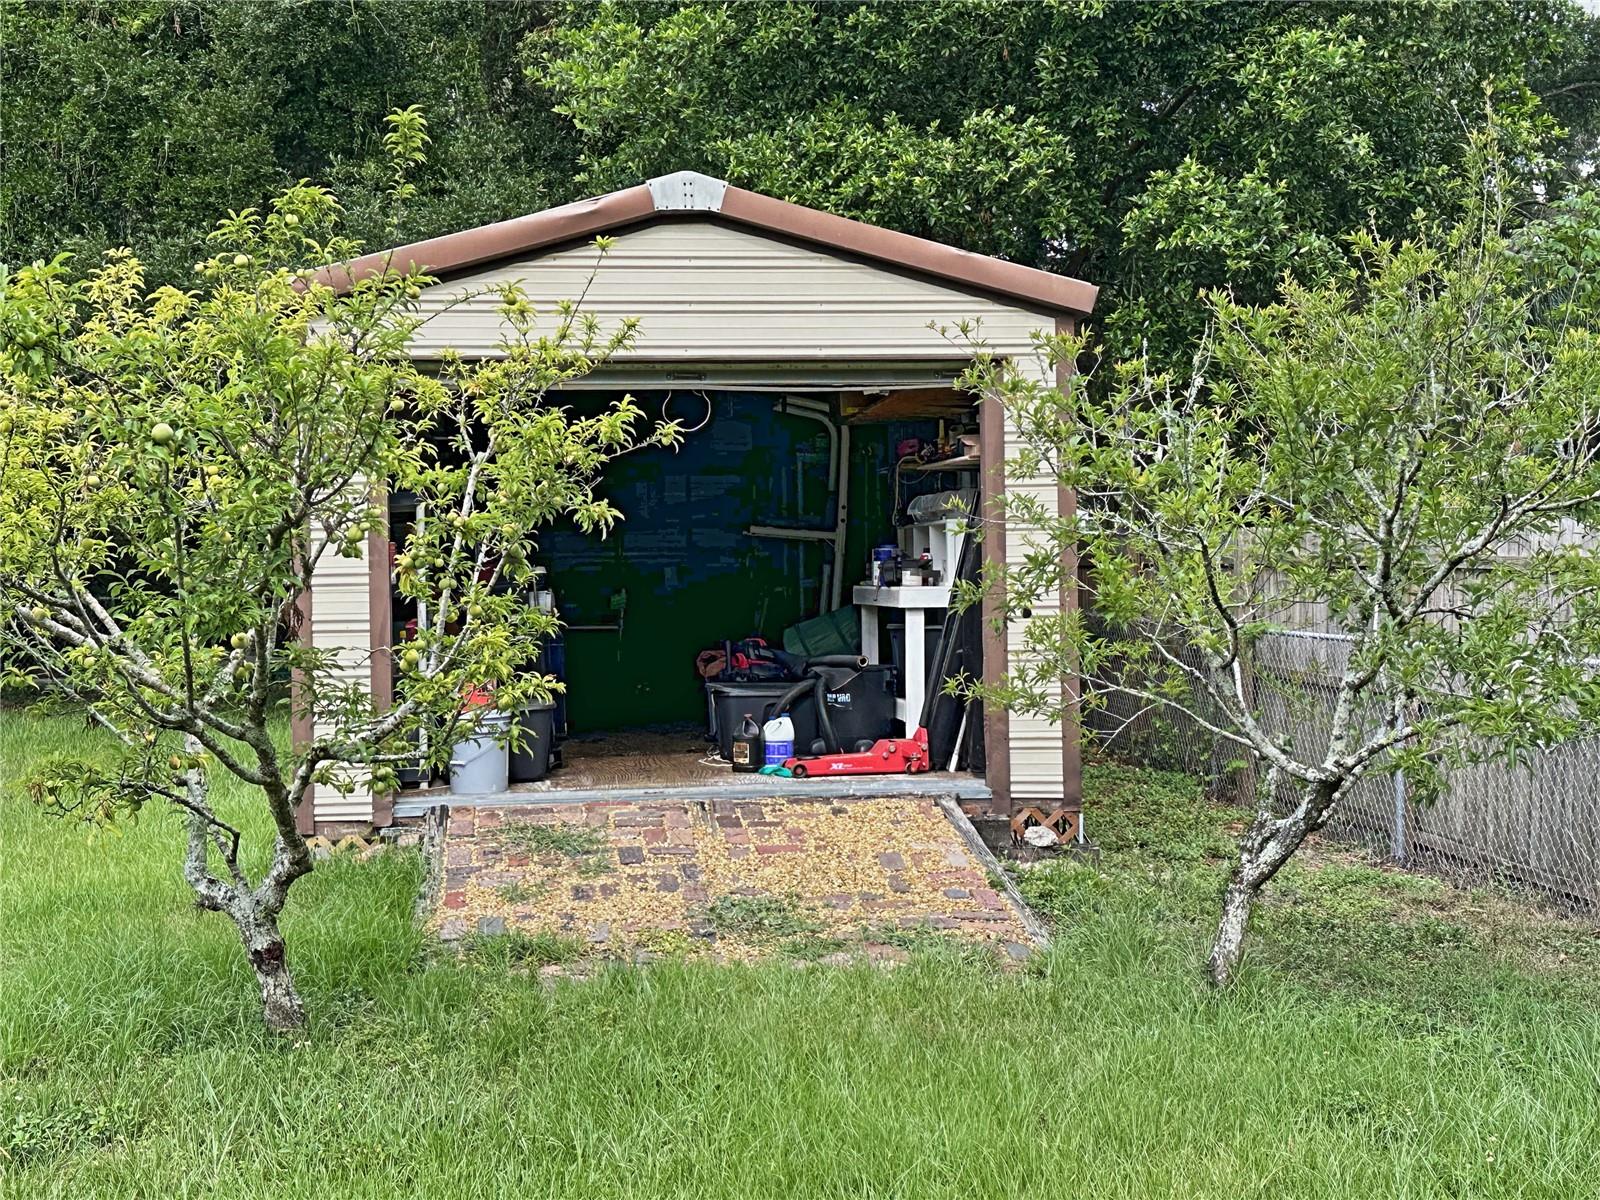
x: 1228, y: 945
x: 254, y: 911
x: 1265, y: 847
x: 281, y: 1006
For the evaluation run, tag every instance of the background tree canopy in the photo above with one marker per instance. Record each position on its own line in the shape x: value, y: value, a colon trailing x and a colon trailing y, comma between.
x: 1154, y: 149
x: 139, y: 123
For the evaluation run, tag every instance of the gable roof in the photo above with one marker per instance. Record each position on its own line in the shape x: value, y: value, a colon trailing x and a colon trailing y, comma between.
x: 688, y: 194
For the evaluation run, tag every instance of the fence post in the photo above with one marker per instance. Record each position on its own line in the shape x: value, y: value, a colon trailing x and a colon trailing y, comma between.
x: 1398, y: 850
x: 1246, y: 786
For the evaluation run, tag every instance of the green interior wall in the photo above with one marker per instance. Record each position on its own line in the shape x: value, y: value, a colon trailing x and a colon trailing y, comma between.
x: 679, y: 573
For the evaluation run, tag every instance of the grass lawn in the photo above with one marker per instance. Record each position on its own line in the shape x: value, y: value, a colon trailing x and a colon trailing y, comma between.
x: 1389, y: 1037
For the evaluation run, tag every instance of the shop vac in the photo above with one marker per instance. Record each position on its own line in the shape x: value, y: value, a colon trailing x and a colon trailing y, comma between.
x: 852, y: 702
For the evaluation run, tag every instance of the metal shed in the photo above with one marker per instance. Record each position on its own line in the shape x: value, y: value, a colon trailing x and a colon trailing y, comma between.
x: 734, y: 289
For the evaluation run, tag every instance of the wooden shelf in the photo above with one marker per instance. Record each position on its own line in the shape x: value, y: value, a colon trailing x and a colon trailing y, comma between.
x: 907, y: 404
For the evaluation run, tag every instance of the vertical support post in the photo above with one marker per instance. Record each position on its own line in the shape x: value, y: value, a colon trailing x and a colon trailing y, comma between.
x: 841, y: 515
x: 1244, y: 790
x: 869, y: 632
x: 916, y: 628
x: 1071, y: 685
x: 1400, y: 848
x: 996, y: 720
x: 379, y: 635
x: 419, y: 526
x: 300, y: 726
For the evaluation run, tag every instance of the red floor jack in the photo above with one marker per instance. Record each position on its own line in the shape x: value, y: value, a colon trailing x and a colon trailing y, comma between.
x: 888, y: 756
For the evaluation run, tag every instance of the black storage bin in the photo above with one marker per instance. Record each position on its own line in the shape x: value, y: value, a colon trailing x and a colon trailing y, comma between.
x: 727, y: 704
x: 933, y: 633
x: 860, y: 704
x: 531, y: 762
x: 413, y: 774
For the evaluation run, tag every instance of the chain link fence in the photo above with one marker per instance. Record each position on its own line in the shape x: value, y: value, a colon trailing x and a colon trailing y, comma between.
x: 1533, y: 827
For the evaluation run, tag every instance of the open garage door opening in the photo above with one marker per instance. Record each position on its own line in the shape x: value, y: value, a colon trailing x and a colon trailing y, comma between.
x: 794, y: 557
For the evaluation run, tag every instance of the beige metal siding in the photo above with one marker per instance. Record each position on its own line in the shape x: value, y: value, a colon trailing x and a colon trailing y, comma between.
x: 341, y: 621
x: 711, y: 293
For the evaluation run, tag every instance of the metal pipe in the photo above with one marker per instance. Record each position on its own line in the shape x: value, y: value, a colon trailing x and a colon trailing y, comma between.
x: 1398, y: 849
x: 838, y: 484
x: 841, y: 509
x: 797, y: 535
x: 817, y: 410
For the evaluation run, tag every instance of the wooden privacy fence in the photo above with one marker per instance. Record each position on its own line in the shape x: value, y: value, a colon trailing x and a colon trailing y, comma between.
x: 1533, y: 825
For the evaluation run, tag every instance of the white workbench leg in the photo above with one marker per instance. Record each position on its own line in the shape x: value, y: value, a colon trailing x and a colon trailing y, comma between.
x: 869, y: 632
x: 916, y: 669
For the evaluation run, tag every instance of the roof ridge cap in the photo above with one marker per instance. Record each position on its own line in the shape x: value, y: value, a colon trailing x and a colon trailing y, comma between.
x: 687, y: 191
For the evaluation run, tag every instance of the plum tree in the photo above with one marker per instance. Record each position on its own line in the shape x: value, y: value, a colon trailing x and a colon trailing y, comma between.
x: 176, y: 464
x: 1407, y: 448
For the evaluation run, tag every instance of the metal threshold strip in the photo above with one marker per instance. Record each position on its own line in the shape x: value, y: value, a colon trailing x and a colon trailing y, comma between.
x: 936, y: 783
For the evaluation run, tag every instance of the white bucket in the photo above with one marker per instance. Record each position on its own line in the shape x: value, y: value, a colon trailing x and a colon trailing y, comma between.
x: 479, y: 765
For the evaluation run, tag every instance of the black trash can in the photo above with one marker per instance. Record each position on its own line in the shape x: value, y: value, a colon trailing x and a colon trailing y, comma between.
x: 530, y: 762
x: 553, y: 661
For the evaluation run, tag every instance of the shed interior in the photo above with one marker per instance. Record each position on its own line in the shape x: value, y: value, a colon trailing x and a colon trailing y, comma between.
x: 733, y: 536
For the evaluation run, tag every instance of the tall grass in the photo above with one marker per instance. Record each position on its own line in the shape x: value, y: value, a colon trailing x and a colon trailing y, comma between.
x: 132, y: 1062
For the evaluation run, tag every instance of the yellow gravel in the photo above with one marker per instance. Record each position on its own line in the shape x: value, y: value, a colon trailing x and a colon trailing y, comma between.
x: 841, y: 870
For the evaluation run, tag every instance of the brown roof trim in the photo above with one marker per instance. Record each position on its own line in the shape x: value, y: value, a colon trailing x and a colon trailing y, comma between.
x: 924, y: 257
x: 456, y: 252
x: 687, y: 194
